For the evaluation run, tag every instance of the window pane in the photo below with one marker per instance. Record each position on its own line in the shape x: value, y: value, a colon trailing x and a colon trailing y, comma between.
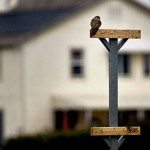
x: 124, y: 64
x: 120, y: 64
x: 77, y: 70
x: 76, y: 54
x: 147, y: 64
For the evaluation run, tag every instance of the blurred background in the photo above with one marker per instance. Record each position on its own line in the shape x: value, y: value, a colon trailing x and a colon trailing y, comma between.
x: 54, y: 77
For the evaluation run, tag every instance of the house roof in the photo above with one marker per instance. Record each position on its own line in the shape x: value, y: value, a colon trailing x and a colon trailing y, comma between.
x: 38, y: 4
x: 21, y: 23
x: 18, y: 25
x: 45, y: 4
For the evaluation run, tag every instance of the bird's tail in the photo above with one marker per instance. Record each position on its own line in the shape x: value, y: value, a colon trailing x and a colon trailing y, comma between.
x: 93, y: 31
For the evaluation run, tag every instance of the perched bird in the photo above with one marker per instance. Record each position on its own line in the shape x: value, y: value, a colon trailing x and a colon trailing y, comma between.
x: 95, y: 24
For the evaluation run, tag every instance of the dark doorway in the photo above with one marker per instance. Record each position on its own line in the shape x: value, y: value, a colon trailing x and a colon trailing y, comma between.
x: 66, y: 119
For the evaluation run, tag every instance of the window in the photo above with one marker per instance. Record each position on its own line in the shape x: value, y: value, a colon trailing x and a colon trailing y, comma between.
x: 66, y: 119
x: 124, y: 64
x: 147, y: 64
x: 128, y: 117
x: 77, y: 68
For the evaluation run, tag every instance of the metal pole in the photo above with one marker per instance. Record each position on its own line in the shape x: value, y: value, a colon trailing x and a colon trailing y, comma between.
x: 113, y: 47
x: 113, y: 89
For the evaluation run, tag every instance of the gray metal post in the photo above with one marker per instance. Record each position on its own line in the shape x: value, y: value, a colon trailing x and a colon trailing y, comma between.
x: 113, y: 83
x: 113, y: 47
x: 113, y: 89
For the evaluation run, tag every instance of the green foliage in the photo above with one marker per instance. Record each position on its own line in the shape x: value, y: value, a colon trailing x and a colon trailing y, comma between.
x: 47, y: 139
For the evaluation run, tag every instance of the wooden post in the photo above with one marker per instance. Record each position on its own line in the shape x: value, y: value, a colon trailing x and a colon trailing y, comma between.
x: 113, y: 47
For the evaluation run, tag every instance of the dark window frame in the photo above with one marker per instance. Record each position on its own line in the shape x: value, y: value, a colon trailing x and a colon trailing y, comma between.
x: 77, y: 63
x: 146, y: 60
x: 124, y: 64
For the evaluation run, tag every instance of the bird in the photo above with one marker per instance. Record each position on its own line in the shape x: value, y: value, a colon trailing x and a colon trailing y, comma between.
x: 95, y: 24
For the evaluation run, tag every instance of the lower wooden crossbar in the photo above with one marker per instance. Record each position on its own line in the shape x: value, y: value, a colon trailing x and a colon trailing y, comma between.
x: 115, y: 131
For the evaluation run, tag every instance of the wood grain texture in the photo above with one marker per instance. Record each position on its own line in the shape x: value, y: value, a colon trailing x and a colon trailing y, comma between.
x: 111, y: 33
x: 115, y: 131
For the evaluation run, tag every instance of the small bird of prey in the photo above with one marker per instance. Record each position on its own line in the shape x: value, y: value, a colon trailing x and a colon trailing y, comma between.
x: 95, y: 24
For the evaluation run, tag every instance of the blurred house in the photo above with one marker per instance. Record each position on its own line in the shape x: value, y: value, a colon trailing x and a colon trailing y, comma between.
x: 53, y: 76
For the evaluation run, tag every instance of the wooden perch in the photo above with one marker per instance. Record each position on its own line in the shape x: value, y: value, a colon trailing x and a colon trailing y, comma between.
x: 114, y: 131
x: 111, y: 33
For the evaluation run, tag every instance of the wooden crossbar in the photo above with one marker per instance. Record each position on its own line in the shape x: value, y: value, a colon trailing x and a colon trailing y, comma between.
x: 115, y: 131
x: 111, y: 33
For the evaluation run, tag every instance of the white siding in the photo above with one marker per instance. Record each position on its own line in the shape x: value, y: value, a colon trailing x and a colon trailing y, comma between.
x: 11, y: 99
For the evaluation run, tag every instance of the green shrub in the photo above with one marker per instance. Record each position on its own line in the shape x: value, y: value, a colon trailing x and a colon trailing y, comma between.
x: 46, y: 140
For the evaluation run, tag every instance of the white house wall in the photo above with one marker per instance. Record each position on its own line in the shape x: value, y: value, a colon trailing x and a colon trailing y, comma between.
x: 46, y: 63
x: 11, y: 100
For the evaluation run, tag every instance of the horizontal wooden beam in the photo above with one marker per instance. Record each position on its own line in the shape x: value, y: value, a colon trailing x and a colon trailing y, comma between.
x: 111, y: 33
x: 114, y: 131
